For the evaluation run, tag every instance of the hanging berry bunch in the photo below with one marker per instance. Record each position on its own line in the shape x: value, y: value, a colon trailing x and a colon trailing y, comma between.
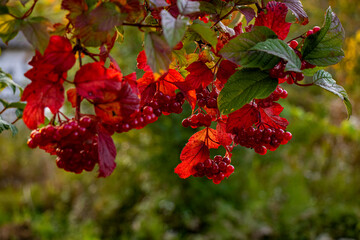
x: 227, y: 71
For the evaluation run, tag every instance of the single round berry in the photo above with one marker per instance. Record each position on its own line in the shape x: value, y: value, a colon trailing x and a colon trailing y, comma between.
x: 293, y: 44
x: 185, y: 123
x: 310, y: 32
x: 316, y: 29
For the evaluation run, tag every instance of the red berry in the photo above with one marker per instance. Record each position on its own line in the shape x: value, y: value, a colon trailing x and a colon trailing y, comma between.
x: 293, y: 44
x: 218, y: 158
x: 211, y: 103
x: 260, y: 150
x: 208, y: 163
x: 31, y: 143
x: 316, y: 29
x: 226, y: 160
x: 148, y: 110
x: 310, y: 32
x: 287, y: 136
x: 185, y: 123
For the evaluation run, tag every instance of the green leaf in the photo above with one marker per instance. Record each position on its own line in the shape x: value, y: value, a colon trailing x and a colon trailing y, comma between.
x: 243, y: 86
x: 9, y: 27
x: 187, y: 7
x: 311, y: 71
x: 238, y: 49
x: 19, y: 113
x: 324, y: 47
x: 35, y: 31
x: 174, y: 28
x: 205, y: 32
x: 4, y: 125
x: 18, y: 105
x: 280, y: 49
x: 158, y: 52
x: 6, y: 81
x: 4, y: 103
x: 324, y: 80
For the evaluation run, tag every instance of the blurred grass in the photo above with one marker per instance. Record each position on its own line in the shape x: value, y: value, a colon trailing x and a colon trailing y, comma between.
x: 307, y: 189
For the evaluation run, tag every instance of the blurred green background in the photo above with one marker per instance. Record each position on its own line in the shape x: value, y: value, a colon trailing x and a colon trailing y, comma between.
x: 307, y: 189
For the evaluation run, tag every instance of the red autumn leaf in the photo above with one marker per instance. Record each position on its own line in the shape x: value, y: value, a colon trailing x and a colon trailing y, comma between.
x: 142, y: 62
x: 41, y: 94
x: 196, y: 150
x: 147, y: 87
x: 200, y: 75
x: 178, y: 80
x: 274, y: 18
x: 114, y: 110
x: 226, y: 69
x: 107, y: 153
x: 59, y: 53
x: 131, y: 80
x: 95, y: 82
x: 270, y: 116
x: 243, y: 118
x: 193, y: 153
x: 166, y: 82
x: 223, y: 137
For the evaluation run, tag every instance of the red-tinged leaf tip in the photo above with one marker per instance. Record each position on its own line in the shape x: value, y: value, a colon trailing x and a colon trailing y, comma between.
x: 41, y: 94
x: 274, y: 18
x: 142, y: 62
x: 270, y: 116
x: 245, y: 117
x: 59, y: 53
x: 94, y: 81
x: 107, y: 153
x: 193, y: 153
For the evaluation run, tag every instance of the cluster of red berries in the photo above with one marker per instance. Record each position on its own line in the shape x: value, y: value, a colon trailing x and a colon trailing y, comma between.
x: 74, y: 142
x: 197, y: 120
x: 216, y: 169
x: 149, y: 113
x: 163, y: 103
x: 313, y: 31
x: 261, y: 139
x: 275, y: 96
x: 206, y: 98
x: 139, y: 119
x: 279, y: 72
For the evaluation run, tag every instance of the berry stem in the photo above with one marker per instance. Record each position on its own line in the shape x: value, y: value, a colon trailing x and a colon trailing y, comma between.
x: 303, y: 85
x: 78, y: 97
x: 2, y: 111
x: 139, y: 25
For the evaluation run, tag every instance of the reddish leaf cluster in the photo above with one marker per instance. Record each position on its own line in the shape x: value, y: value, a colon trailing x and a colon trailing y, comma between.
x: 47, y: 77
x: 169, y: 76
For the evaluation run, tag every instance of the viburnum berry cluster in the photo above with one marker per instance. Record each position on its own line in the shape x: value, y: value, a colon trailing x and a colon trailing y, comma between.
x: 226, y: 59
